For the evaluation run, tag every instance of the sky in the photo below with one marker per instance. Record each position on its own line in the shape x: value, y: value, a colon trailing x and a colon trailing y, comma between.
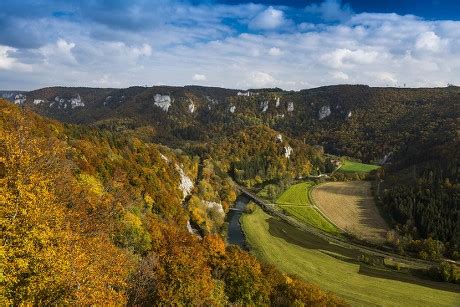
x: 229, y: 43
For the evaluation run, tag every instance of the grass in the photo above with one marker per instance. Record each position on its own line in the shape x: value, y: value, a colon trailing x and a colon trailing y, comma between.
x: 295, y: 201
x: 315, y: 260
x: 296, y: 194
x: 353, y: 167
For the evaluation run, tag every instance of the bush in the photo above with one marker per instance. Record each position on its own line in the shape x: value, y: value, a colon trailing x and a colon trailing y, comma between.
x: 250, y: 208
x: 445, y: 272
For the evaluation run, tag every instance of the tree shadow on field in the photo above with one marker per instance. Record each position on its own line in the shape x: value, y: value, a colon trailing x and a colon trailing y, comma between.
x: 415, y: 277
x: 280, y: 229
x: 369, y: 217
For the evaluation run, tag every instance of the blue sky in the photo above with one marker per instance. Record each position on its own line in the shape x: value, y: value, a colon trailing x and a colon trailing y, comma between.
x: 230, y: 43
x: 428, y: 9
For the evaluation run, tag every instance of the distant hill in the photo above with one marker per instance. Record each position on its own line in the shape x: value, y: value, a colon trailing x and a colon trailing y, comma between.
x: 360, y: 121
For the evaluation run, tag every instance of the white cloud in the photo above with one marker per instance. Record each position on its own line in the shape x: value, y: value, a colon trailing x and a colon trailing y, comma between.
x: 343, y: 57
x: 331, y: 10
x: 387, y: 78
x: 59, y: 52
x: 367, y: 48
x: 8, y: 62
x: 199, y: 77
x: 428, y: 41
x: 65, y: 47
x: 5, y: 61
x: 144, y: 50
x: 269, y: 19
x: 105, y: 81
x: 262, y: 79
x: 275, y: 51
x: 340, y: 75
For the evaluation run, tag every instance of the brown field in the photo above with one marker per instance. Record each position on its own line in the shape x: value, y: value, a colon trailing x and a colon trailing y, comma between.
x: 351, y: 207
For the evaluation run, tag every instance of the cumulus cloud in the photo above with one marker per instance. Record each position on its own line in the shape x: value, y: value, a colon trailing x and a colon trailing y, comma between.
x: 144, y: 50
x: 269, y: 19
x: 8, y: 62
x: 5, y: 61
x: 199, y: 77
x: 275, y: 51
x: 59, y: 52
x: 428, y: 41
x: 261, y: 79
x: 387, y: 78
x: 246, y: 45
x: 331, y: 10
x: 343, y: 57
x: 340, y: 75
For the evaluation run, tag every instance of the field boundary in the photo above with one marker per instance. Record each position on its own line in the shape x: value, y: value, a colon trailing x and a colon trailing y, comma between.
x: 319, y: 210
x: 341, y: 241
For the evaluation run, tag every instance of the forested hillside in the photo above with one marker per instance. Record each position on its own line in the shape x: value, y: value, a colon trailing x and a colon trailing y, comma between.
x: 422, y: 190
x: 270, y: 134
x: 358, y: 121
x: 99, y: 216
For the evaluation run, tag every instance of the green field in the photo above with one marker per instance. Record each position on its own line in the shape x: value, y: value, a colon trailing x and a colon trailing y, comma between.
x: 315, y: 260
x: 353, y: 167
x: 295, y: 202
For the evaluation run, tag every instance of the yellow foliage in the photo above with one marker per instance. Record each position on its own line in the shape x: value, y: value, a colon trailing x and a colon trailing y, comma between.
x: 46, y: 254
x: 93, y: 184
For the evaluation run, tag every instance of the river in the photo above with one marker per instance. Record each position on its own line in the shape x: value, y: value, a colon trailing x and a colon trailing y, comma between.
x: 235, y: 233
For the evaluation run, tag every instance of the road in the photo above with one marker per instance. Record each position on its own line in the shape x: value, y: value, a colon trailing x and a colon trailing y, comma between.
x: 414, y: 262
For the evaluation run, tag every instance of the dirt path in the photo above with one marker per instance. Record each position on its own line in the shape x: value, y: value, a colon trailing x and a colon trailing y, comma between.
x: 351, y: 207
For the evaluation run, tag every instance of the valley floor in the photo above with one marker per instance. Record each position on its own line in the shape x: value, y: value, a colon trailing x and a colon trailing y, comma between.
x: 351, y: 207
x: 330, y: 266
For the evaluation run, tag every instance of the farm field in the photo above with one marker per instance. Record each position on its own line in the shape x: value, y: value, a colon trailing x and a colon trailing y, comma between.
x: 316, y: 261
x: 351, y: 207
x: 295, y: 202
x: 352, y: 167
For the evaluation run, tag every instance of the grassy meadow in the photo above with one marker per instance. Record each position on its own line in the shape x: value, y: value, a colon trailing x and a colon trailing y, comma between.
x: 328, y: 265
x: 295, y: 201
x: 353, y: 167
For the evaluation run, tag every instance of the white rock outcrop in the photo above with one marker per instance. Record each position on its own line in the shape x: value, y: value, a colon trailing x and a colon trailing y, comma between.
x: 19, y: 99
x: 277, y: 102
x: 385, y: 159
x: 287, y: 151
x: 324, y: 112
x: 191, y: 106
x: 107, y: 100
x: 76, y: 102
x: 164, y: 157
x: 212, y: 100
x: 232, y: 109
x: 264, y: 106
x: 162, y: 101
x: 192, y: 230
x: 186, y: 184
x: 290, y: 106
x: 38, y: 101
x: 279, y: 138
x: 349, y: 114
x: 214, y: 205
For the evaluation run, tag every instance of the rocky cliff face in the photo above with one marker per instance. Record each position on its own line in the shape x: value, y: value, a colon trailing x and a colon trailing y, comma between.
x: 357, y: 121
